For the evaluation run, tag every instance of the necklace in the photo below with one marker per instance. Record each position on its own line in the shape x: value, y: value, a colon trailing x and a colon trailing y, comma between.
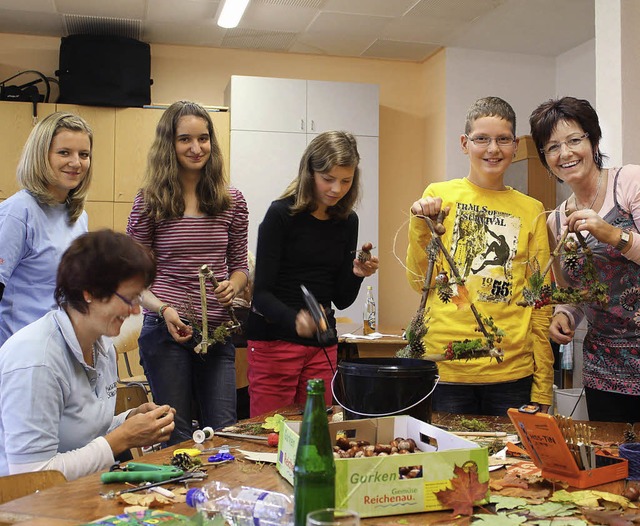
x: 575, y: 199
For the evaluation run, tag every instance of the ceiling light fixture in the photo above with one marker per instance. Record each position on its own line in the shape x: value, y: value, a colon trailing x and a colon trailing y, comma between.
x: 230, y: 12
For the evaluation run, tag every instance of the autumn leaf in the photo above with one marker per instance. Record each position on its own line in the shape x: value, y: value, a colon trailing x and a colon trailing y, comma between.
x: 610, y: 518
x: 499, y: 519
x: 589, y: 498
x: 465, y: 490
x: 275, y: 422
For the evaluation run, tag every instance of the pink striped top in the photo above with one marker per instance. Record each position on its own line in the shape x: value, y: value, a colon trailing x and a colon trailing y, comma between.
x: 183, y: 245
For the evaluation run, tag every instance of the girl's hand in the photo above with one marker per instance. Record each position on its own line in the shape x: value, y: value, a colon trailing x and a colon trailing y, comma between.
x: 368, y: 268
x: 180, y: 331
x: 225, y: 292
x: 305, y: 326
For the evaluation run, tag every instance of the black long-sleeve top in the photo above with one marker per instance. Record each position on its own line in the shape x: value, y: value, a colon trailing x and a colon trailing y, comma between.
x: 300, y: 249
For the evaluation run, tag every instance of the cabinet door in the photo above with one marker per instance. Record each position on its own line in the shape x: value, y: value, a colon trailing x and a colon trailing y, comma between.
x: 262, y: 166
x: 17, y: 123
x: 100, y: 214
x: 268, y: 104
x: 135, y: 132
x: 102, y: 122
x: 348, y: 106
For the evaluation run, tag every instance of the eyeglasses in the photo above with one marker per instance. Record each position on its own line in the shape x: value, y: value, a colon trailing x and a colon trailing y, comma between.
x: 484, y: 140
x: 135, y: 302
x: 551, y: 150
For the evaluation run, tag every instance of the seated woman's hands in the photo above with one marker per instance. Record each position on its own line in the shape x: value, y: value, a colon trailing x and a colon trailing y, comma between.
x: 146, y: 425
x: 367, y: 268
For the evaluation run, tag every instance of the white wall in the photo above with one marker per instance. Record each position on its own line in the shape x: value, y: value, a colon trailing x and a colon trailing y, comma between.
x: 522, y: 80
x: 576, y: 77
x: 576, y: 72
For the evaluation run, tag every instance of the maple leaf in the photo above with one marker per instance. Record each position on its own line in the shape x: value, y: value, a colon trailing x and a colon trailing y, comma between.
x: 465, y: 490
x: 610, y: 518
x: 275, y: 422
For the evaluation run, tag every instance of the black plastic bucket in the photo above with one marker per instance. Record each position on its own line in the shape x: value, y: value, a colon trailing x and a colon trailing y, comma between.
x: 373, y: 387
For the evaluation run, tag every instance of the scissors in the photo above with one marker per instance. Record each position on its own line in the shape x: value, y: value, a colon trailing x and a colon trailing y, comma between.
x: 138, y: 472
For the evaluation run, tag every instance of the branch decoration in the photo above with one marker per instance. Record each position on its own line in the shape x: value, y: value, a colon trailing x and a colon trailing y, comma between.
x: 485, y: 346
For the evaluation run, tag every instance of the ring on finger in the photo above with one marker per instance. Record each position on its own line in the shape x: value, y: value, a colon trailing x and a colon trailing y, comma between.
x: 584, y: 221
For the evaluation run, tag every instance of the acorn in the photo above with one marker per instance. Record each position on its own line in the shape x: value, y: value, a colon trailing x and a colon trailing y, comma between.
x: 632, y: 493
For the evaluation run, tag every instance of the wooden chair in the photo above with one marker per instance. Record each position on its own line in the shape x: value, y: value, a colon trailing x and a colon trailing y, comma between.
x: 126, y: 344
x: 130, y: 396
x: 23, y: 484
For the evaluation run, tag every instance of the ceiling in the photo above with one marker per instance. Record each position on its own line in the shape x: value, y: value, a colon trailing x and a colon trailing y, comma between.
x: 409, y: 30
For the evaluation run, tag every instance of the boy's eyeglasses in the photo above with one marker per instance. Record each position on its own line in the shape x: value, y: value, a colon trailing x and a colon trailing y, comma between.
x: 551, y: 150
x: 484, y: 140
x: 135, y: 302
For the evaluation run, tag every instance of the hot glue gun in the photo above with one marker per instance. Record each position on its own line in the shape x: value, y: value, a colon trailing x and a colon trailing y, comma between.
x: 325, y: 333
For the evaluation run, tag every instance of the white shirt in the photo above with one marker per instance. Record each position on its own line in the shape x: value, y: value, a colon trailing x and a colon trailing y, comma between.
x: 54, y: 408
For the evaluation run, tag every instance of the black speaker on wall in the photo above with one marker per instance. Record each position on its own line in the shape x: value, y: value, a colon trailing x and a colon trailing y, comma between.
x: 99, y: 70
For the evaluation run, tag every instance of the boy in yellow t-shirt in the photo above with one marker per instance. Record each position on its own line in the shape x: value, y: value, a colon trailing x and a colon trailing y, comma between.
x: 493, y: 234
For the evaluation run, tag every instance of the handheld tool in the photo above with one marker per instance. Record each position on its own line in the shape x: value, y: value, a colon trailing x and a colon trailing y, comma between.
x: 138, y: 472
x: 325, y: 333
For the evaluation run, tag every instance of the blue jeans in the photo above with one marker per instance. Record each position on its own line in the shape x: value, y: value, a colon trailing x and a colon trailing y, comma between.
x: 487, y: 399
x: 177, y: 375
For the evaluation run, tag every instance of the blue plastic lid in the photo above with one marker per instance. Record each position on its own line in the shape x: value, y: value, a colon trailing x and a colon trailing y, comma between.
x: 194, y: 497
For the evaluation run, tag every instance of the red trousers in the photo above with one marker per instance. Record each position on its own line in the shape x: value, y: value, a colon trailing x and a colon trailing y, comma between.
x: 278, y: 373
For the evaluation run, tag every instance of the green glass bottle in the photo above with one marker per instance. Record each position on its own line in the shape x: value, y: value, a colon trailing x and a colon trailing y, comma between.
x: 314, y: 473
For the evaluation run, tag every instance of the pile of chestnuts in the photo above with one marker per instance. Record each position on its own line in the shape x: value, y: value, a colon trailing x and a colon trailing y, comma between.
x: 346, y: 448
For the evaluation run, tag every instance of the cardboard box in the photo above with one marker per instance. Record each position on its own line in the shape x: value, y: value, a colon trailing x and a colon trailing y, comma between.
x: 547, y: 447
x: 373, y: 486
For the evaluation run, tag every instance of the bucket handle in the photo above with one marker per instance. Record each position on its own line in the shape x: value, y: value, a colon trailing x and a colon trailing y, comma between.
x: 374, y: 415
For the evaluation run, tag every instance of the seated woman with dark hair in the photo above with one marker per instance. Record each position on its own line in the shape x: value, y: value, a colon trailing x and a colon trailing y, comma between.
x: 58, y: 374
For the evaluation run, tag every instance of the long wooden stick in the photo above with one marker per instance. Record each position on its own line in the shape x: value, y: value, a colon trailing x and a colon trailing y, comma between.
x: 202, y: 276
x: 208, y: 274
x: 455, y: 272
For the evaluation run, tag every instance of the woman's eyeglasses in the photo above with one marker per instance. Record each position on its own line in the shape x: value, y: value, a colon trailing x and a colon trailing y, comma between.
x: 485, y: 140
x: 135, y: 302
x: 551, y: 150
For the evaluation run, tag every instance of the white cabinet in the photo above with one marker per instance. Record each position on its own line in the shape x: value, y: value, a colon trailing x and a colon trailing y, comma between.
x: 302, y: 106
x: 273, y: 120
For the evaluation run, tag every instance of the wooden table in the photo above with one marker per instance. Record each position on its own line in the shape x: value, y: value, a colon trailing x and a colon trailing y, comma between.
x: 80, y: 501
x: 385, y: 347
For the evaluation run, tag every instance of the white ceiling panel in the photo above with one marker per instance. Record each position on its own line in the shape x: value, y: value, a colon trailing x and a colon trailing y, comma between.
x: 45, y: 24
x: 38, y: 6
x: 401, y: 50
x: 396, y: 29
x: 346, y: 45
x: 348, y: 25
x: 370, y: 7
x: 181, y: 11
x: 278, y: 18
x: 110, y: 8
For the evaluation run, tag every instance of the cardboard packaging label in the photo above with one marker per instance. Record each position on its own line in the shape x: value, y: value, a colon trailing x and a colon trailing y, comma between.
x: 394, y: 484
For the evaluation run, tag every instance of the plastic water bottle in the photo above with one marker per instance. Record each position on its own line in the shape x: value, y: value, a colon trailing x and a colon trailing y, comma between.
x: 369, y: 314
x: 242, y: 506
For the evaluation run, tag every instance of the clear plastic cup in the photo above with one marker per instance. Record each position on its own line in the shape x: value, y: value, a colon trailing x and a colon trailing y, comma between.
x: 333, y: 517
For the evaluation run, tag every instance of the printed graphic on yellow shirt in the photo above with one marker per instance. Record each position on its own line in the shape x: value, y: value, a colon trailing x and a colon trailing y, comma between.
x: 484, y: 244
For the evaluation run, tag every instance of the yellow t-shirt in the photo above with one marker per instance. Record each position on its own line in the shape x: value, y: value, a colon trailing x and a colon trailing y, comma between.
x: 494, y: 238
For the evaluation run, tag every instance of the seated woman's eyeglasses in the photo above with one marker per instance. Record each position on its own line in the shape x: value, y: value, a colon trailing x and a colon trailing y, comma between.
x: 135, y: 302
x: 484, y: 140
x: 553, y: 149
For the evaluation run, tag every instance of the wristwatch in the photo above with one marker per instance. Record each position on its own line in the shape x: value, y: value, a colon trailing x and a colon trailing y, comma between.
x: 624, y: 240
